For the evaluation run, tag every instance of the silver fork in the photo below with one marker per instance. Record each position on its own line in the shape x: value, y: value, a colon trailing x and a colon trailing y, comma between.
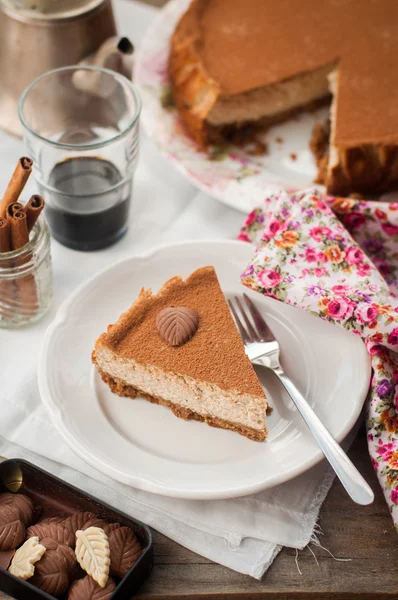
x: 263, y: 349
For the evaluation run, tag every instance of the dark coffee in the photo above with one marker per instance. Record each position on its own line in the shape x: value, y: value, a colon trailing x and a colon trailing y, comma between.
x: 88, y: 210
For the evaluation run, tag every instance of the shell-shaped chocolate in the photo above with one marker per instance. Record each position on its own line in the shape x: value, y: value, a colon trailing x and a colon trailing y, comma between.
x: 176, y: 325
x: 22, y: 503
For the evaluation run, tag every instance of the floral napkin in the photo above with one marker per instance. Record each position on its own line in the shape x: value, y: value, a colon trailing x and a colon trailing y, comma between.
x: 338, y: 258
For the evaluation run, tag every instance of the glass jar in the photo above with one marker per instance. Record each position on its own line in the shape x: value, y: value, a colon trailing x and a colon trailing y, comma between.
x: 26, y: 279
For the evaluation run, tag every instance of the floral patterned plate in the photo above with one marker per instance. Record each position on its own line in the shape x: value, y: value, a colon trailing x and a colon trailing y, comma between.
x: 232, y: 176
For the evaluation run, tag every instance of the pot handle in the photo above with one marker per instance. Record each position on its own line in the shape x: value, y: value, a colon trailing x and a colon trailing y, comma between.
x: 113, y: 54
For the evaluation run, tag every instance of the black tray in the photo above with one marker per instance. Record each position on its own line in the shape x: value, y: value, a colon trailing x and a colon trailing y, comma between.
x: 59, y: 498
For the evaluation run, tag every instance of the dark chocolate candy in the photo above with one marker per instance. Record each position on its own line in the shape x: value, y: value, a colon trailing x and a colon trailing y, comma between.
x: 88, y: 589
x: 12, y: 529
x: 51, y: 574
x: 23, y: 503
x: 125, y: 550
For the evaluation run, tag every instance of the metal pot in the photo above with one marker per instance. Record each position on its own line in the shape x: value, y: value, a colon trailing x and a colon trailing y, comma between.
x: 35, y: 38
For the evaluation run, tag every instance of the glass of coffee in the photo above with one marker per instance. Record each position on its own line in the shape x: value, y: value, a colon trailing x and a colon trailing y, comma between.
x: 81, y: 128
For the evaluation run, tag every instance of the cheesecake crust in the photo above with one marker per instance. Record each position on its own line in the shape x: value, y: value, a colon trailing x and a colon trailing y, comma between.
x: 120, y: 388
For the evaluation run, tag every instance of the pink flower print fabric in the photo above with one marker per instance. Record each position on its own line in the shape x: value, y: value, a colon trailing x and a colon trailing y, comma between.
x: 321, y: 254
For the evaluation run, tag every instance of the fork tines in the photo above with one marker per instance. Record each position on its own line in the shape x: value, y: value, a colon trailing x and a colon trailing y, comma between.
x: 255, y: 330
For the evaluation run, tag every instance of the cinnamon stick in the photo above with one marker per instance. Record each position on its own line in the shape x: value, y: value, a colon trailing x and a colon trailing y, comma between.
x: 33, y: 209
x: 5, y: 235
x: 19, y: 229
x: 26, y: 296
x: 16, y: 184
x: 14, y: 207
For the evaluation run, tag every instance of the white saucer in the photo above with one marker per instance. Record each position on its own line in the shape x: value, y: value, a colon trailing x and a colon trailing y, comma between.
x: 145, y: 445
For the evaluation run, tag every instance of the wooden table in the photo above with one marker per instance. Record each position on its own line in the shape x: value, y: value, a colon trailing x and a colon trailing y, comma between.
x: 364, y: 534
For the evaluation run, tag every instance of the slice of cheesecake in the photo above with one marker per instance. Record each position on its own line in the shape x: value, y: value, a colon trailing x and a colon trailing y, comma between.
x: 180, y: 348
x: 236, y: 66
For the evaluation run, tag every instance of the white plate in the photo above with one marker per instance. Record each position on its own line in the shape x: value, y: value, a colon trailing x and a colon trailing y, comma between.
x: 236, y: 178
x: 145, y: 445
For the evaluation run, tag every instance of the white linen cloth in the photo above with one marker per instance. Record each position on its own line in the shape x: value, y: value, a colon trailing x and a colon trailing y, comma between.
x: 244, y: 534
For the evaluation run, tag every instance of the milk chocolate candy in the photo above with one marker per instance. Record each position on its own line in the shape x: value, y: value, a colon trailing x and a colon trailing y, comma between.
x: 77, y: 521
x: 57, y: 502
x: 125, y: 550
x: 88, y: 589
x: 51, y: 574
x: 50, y: 529
x: 21, y: 502
x: 66, y: 552
x: 176, y: 325
x: 12, y: 529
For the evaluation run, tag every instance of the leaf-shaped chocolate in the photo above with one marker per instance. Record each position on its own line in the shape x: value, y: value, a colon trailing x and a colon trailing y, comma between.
x: 23, y: 503
x: 94, y: 522
x: 51, y: 574
x: 125, y: 550
x: 77, y: 521
x: 109, y: 527
x: 66, y: 551
x: 49, y: 529
x: 88, y: 589
x: 92, y: 553
x: 6, y: 557
x: 176, y: 325
x: 12, y: 530
x: 23, y: 563
x: 52, y: 520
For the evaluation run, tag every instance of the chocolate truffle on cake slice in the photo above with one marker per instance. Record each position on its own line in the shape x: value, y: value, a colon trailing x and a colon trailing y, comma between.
x: 180, y: 348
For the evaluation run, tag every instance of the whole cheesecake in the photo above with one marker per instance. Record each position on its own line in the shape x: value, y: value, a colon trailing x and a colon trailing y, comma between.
x: 180, y: 348
x: 237, y: 64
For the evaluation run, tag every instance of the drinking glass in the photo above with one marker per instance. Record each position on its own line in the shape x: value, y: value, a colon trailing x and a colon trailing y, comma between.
x: 81, y: 128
